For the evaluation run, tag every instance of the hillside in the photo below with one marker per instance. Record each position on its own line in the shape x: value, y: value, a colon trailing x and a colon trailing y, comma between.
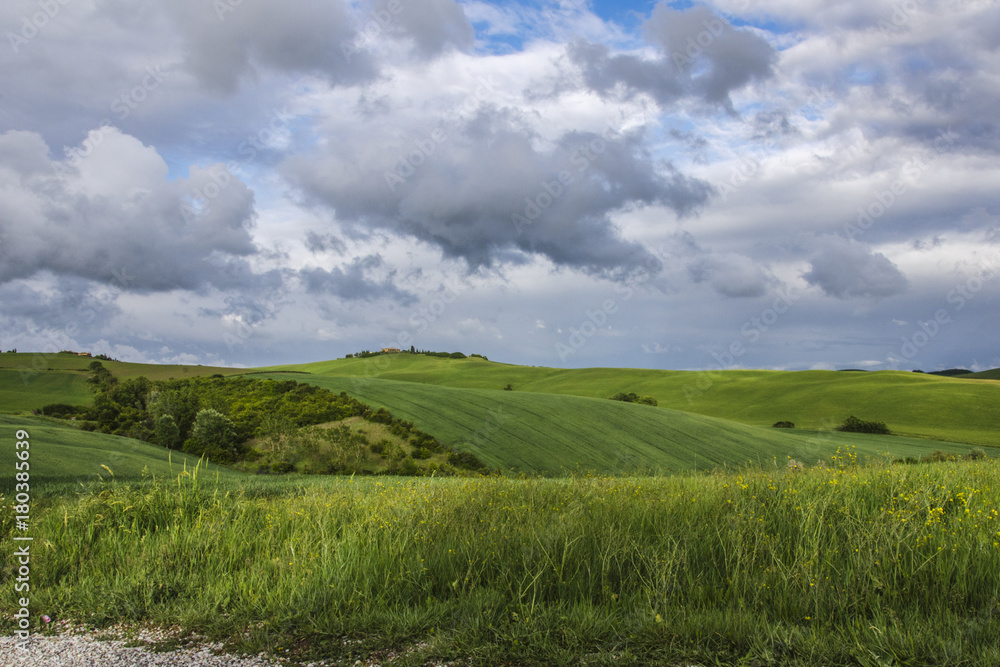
x: 992, y: 374
x: 61, y: 453
x: 556, y: 434
x: 914, y: 404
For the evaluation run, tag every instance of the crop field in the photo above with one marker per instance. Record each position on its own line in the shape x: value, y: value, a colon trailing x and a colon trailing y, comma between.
x: 914, y: 404
x: 844, y: 565
x: 67, y: 456
x: 559, y: 434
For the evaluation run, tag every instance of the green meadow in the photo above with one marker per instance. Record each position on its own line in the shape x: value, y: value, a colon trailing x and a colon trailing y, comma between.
x: 912, y: 404
x: 844, y: 565
x: 617, y: 533
x: 556, y: 434
x: 68, y: 457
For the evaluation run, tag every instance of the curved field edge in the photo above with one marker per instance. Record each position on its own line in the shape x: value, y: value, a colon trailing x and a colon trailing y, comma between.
x: 63, y: 455
x: 554, y: 434
x: 912, y: 404
x: 837, y: 567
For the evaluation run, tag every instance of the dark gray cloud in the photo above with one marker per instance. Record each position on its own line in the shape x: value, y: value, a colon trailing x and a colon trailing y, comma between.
x: 432, y: 25
x: 846, y: 269
x: 702, y: 56
x: 226, y: 41
x: 731, y: 275
x: 66, y: 304
x: 487, y: 188
x: 354, y: 282
x: 108, y: 213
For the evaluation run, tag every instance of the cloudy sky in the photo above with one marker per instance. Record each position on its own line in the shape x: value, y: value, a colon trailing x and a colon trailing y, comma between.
x: 739, y: 183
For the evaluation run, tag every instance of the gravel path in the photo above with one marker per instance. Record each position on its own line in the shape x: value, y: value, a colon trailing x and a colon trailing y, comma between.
x: 113, y: 648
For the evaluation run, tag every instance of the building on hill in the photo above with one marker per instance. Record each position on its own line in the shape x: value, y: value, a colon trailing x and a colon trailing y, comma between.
x: 390, y: 350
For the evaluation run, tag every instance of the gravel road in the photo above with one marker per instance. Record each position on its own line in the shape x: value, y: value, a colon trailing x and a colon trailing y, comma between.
x: 114, y: 648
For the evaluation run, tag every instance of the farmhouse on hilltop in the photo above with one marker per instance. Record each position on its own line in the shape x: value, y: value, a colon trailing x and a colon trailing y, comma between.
x: 390, y: 350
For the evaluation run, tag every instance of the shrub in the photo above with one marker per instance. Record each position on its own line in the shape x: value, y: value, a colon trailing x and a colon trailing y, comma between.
x: 466, y: 460
x: 783, y: 425
x: 421, y: 453
x: 214, y: 435
x: 380, y: 446
x: 854, y: 425
x: 976, y: 454
x: 62, y: 410
x: 633, y: 398
x: 167, y: 432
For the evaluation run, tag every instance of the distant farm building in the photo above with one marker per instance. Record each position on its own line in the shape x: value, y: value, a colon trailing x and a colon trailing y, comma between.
x: 390, y: 350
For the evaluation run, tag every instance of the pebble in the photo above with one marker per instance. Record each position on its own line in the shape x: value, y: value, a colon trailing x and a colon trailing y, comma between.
x: 92, y: 649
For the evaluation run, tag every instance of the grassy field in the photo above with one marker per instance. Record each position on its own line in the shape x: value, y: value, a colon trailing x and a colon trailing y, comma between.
x: 61, y: 454
x: 26, y: 392
x: 874, y: 566
x: 30, y: 363
x: 913, y: 404
x: 557, y: 434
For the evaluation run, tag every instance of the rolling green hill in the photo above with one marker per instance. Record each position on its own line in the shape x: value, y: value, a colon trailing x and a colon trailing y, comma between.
x: 23, y: 392
x: 992, y: 374
x: 29, y: 363
x: 557, y: 434
x: 61, y: 453
x: 914, y: 404
x: 30, y: 381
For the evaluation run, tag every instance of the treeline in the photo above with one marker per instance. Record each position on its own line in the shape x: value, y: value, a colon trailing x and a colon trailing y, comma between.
x: 220, y: 418
x: 364, y: 354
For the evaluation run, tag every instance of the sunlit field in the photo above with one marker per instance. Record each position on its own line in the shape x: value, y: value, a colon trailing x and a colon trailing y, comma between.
x: 836, y: 565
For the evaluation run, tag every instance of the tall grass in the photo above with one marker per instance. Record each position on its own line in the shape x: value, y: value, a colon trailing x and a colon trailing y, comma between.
x: 838, y: 566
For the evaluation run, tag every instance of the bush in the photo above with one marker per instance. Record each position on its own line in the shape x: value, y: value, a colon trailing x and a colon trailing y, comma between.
x: 783, y: 425
x: 854, y: 425
x: 633, y: 398
x: 976, y: 454
x: 421, y: 453
x: 466, y: 460
x: 214, y: 435
x: 167, y: 433
x: 63, y: 411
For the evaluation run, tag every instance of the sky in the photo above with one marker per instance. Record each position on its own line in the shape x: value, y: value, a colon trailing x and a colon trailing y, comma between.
x: 782, y: 184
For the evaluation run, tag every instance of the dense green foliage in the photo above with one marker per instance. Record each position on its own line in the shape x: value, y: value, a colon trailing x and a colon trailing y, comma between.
x: 225, y: 419
x: 838, y: 566
x: 854, y: 425
x: 631, y: 397
x: 783, y: 424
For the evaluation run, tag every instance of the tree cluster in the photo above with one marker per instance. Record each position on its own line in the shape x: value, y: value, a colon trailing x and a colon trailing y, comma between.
x: 854, y: 425
x: 219, y: 417
x: 633, y: 398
